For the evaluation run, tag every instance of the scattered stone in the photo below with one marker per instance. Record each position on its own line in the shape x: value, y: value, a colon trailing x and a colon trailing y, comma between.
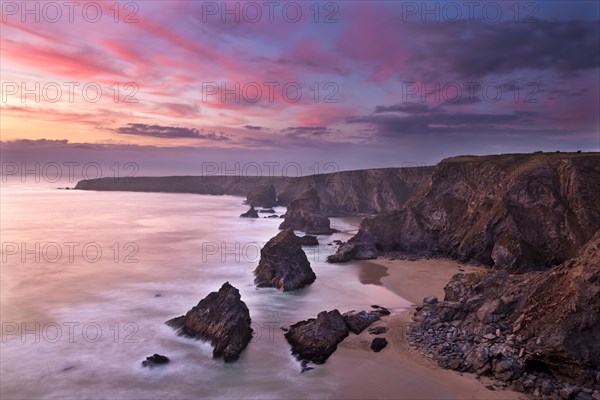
x: 283, y: 264
x: 377, y: 330
x: 155, y: 360
x: 221, y: 318
x: 378, y: 344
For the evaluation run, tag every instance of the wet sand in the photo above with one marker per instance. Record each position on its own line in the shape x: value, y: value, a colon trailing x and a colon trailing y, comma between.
x: 398, y: 371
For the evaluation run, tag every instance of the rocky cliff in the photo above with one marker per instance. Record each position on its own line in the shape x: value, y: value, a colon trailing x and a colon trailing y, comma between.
x: 516, y: 212
x: 537, y: 331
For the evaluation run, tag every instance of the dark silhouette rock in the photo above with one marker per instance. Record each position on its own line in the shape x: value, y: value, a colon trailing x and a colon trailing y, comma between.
x: 283, y: 264
x: 251, y: 213
x: 304, y: 214
x: 267, y: 211
x: 378, y: 344
x: 155, y: 361
x: 316, y: 339
x: 359, y: 321
x: 273, y: 216
x: 221, y: 318
x: 308, y: 240
x: 262, y: 196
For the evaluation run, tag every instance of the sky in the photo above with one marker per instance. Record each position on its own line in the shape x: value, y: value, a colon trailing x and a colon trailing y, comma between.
x: 175, y: 85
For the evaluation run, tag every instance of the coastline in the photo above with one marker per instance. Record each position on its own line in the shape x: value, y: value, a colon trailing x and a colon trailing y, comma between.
x: 399, y: 365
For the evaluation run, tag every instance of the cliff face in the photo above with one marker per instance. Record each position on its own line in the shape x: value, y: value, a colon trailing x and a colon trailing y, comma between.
x: 519, y: 327
x: 369, y: 191
x: 516, y: 212
x: 215, y: 185
x: 342, y: 193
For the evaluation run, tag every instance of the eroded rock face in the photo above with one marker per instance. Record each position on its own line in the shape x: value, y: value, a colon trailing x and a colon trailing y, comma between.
x: 221, y: 318
x: 251, y: 213
x: 262, y: 196
x: 316, y: 339
x: 515, y: 327
x: 283, y: 264
x: 517, y: 212
x: 304, y: 214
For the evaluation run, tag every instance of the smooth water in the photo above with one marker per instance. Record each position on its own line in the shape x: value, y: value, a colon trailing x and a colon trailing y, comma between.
x: 112, y: 267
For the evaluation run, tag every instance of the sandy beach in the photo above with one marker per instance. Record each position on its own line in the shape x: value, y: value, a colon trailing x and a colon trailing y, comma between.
x: 398, y: 365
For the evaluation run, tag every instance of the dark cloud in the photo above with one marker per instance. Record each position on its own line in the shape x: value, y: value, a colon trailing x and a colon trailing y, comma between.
x: 253, y: 128
x: 440, y: 122
x: 474, y: 50
x: 409, y: 108
x: 169, y: 132
x: 307, y: 131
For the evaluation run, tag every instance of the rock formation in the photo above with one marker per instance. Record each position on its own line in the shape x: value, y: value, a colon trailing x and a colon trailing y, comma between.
x: 308, y: 240
x: 304, y: 214
x: 155, y: 361
x: 535, y: 331
x: 378, y: 344
x: 262, y: 196
x: 221, y: 318
x: 283, y: 264
x: 516, y: 212
x: 316, y: 339
x: 251, y: 213
x: 359, y: 321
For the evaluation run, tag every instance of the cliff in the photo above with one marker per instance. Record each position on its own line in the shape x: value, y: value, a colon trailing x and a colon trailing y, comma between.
x: 516, y: 212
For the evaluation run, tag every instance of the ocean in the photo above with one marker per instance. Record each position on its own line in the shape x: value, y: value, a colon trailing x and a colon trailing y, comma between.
x: 88, y: 280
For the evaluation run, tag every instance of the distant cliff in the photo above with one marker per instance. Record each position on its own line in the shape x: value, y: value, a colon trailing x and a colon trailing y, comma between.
x: 341, y: 193
x: 215, y: 185
x: 515, y: 211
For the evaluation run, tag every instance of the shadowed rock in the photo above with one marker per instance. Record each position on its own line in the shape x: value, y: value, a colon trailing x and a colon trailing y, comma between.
x: 251, y: 213
x: 308, y: 240
x: 262, y: 196
x: 304, y: 214
x: 316, y: 339
x: 378, y: 344
x: 221, y: 318
x: 155, y: 361
x: 283, y: 264
x: 359, y: 321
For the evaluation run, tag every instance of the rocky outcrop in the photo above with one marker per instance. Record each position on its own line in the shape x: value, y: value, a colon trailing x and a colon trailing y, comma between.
x: 308, y: 240
x: 221, y: 318
x: 359, y: 321
x: 516, y: 212
x: 155, y: 361
x: 369, y: 191
x: 262, y: 196
x: 316, y: 339
x: 251, y: 213
x: 283, y: 264
x: 533, y: 331
x: 304, y: 214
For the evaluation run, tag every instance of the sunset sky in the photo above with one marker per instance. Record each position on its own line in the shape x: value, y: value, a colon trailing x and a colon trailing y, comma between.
x: 359, y: 83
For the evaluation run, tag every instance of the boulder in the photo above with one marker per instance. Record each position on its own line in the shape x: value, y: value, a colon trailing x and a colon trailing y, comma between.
x: 283, y: 264
x: 251, y: 213
x: 316, y: 339
x: 359, y: 321
x: 308, y: 240
x: 378, y: 344
x: 221, y: 318
x: 262, y: 196
x: 155, y: 361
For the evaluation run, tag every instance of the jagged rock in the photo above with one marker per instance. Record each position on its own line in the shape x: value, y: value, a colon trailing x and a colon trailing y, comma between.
x: 377, y: 330
x: 304, y: 214
x: 262, y: 196
x: 155, y: 360
x: 251, y: 213
x: 517, y: 212
x: 221, y: 318
x: 359, y: 321
x: 316, y: 339
x: 308, y: 240
x: 283, y: 264
x: 378, y: 344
